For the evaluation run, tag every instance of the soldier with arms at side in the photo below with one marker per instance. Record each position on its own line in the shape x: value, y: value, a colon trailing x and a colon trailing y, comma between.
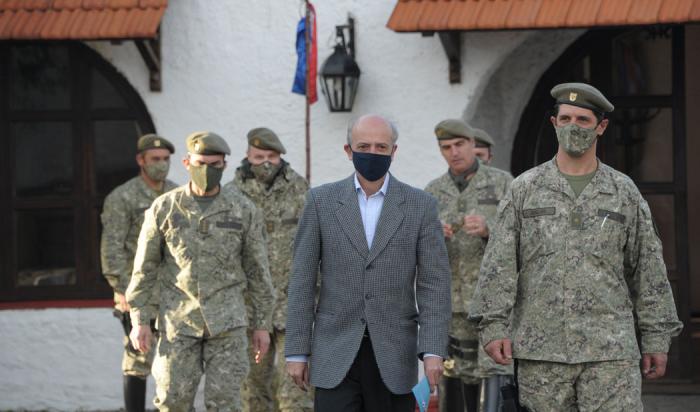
x: 573, y: 268
x: 122, y: 217
x: 213, y: 248
x: 468, y: 195
x: 279, y: 192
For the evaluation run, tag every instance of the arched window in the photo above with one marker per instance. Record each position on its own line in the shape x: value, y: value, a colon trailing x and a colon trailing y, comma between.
x: 68, y: 129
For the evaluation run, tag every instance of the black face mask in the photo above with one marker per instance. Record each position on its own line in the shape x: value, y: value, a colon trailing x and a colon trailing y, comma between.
x: 371, y: 166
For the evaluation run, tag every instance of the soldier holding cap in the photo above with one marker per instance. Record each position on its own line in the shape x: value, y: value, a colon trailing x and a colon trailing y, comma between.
x: 212, y: 245
x: 573, y: 268
x: 279, y: 192
x: 122, y: 217
x: 468, y: 195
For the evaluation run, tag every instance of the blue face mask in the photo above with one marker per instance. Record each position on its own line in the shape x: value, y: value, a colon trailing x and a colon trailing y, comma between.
x: 371, y: 166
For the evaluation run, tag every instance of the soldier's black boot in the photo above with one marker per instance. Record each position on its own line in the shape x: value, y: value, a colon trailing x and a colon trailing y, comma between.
x: 134, y: 394
x: 471, y: 397
x: 451, y: 395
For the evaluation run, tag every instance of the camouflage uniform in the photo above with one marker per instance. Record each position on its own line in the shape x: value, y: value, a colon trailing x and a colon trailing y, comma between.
x: 486, y: 188
x: 122, y: 217
x: 281, y: 204
x: 210, y: 259
x: 567, y: 278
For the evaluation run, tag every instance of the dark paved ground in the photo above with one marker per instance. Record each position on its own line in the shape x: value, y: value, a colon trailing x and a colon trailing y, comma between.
x: 671, y: 403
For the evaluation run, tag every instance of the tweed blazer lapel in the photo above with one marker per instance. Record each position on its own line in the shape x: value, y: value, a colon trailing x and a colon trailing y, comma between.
x: 389, y: 220
x: 349, y: 218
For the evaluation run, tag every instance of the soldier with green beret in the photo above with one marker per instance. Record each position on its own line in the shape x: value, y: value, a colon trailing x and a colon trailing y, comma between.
x: 573, y: 269
x: 153, y: 141
x: 468, y: 195
x: 279, y: 192
x: 122, y: 217
x: 213, y: 250
x: 483, y: 146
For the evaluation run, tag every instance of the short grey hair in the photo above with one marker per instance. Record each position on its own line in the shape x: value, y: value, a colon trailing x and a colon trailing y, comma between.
x: 392, y: 126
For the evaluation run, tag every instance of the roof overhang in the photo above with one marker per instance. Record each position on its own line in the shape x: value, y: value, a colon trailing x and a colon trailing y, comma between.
x: 116, y: 20
x: 469, y: 15
x: 449, y: 17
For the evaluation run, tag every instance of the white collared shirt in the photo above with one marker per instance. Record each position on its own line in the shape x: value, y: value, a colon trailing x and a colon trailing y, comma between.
x: 370, y: 208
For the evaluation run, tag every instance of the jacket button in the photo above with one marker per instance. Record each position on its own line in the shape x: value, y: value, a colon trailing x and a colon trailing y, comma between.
x: 362, y: 320
x: 369, y: 267
x: 368, y: 296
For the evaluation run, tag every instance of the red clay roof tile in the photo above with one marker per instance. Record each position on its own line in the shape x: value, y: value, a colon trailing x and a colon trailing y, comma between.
x: 437, y: 15
x: 80, y: 19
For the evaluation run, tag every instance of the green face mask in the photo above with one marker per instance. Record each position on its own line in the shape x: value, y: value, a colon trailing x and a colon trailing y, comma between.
x: 575, y: 140
x: 157, y: 171
x: 265, y: 172
x: 206, y: 177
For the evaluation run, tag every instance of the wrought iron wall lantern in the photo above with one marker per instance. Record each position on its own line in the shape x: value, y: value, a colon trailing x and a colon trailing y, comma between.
x: 340, y: 74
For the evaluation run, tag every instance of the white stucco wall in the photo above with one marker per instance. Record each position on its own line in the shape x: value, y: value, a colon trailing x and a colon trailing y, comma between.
x: 60, y: 359
x: 228, y: 67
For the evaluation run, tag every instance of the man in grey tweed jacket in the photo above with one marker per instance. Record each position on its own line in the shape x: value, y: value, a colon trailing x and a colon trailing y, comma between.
x: 384, y: 272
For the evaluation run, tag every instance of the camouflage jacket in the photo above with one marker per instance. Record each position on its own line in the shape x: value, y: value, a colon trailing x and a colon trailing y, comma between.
x: 566, y: 278
x: 122, y: 217
x: 209, y: 258
x: 486, y: 188
x: 281, y: 206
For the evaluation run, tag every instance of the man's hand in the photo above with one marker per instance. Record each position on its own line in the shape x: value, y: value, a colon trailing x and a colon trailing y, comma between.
x: 447, y: 230
x: 500, y: 351
x: 141, y: 337
x: 299, y: 371
x: 476, y: 225
x: 261, y: 343
x: 123, y: 305
x: 433, y: 370
x: 654, y: 365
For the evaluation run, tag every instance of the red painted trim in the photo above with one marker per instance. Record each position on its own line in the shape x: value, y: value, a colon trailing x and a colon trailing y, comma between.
x: 46, y: 304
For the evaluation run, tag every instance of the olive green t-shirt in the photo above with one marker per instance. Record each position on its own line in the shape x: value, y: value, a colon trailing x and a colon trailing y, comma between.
x: 205, y: 201
x: 578, y: 183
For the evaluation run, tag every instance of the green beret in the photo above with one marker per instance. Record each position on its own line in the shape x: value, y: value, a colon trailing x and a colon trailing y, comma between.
x: 582, y: 95
x: 452, y: 129
x: 207, y: 143
x: 264, y: 138
x: 153, y: 141
x: 482, y: 137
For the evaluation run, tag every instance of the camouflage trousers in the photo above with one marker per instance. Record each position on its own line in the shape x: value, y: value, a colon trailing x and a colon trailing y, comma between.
x: 181, y: 361
x: 467, y: 358
x: 594, y: 386
x: 268, y: 387
x: 135, y: 363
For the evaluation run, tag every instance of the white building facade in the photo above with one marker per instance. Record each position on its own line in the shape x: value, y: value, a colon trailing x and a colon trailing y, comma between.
x: 227, y: 67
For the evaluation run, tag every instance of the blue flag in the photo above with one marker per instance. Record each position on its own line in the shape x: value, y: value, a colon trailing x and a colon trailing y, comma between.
x: 299, y: 85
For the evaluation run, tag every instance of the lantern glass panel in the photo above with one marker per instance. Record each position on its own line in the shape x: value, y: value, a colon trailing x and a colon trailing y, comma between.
x: 334, y: 87
x: 350, y: 90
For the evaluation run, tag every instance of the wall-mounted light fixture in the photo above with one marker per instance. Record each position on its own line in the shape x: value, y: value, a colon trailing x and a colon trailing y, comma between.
x: 340, y: 74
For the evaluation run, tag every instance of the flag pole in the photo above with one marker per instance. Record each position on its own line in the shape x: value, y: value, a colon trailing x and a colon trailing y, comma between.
x: 307, y: 27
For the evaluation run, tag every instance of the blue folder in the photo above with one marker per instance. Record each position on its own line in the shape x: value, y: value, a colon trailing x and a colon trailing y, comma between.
x: 422, y: 393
